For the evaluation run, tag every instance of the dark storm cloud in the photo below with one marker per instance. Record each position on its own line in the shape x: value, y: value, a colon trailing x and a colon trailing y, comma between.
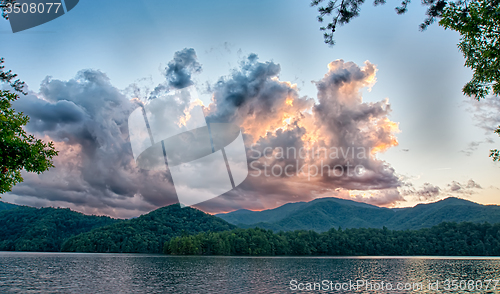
x: 87, y: 118
x: 274, y: 117
x: 252, y: 92
x: 45, y: 116
x: 178, y: 71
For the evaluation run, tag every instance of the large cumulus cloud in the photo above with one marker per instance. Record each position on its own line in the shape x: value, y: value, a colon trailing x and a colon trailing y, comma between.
x: 318, y: 141
x: 95, y: 172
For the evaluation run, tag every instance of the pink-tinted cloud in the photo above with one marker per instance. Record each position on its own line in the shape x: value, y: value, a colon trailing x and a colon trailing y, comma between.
x: 338, y: 134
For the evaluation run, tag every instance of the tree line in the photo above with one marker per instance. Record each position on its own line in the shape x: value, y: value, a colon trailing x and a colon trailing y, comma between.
x: 445, y: 239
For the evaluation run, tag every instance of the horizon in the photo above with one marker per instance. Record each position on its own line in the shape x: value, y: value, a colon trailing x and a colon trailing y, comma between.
x: 215, y: 214
x: 249, y: 146
x: 406, y: 129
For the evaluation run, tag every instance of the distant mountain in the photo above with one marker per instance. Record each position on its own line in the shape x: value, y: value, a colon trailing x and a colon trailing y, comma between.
x: 147, y: 233
x: 244, y: 216
x: 25, y: 228
x: 323, y: 214
x: 5, y: 206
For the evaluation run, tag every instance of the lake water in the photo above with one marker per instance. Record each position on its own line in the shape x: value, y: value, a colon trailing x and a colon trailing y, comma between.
x: 139, y: 273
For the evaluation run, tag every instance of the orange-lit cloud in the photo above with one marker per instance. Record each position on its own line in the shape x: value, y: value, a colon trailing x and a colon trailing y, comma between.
x: 275, y: 118
x: 95, y: 172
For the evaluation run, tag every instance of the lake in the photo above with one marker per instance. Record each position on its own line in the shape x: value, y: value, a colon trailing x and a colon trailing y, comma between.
x: 23, y: 272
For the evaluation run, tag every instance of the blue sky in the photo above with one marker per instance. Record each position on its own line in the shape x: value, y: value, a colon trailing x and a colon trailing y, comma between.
x: 421, y: 73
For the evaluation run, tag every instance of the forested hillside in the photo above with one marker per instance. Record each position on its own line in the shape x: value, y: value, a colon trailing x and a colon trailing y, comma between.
x: 147, y: 233
x: 6, y: 206
x: 44, y: 229
x: 53, y: 229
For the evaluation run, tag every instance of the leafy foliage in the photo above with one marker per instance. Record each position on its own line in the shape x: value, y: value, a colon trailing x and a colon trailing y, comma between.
x: 343, y: 11
x: 30, y: 229
x: 236, y: 242
x: 464, y: 239
x: 479, y: 26
x: 495, y: 153
x: 18, y: 149
x: 147, y: 233
x: 3, y: 6
x: 477, y: 21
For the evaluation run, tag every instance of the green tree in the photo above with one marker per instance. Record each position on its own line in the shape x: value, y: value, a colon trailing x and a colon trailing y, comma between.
x: 479, y: 26
x: 447, y: 238
x: 478, y: 23
x: 343, y: 11
x: 18, y: 149
x: 495, y: 153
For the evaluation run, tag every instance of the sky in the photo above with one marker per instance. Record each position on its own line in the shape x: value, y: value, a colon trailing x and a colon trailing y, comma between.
x: 263, y: 66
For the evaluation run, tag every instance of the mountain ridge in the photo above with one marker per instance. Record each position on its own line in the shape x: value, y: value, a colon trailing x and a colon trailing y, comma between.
x: 146, y: 233
x: 7, y: 206
x: 324, y: 213
x: 25, y: 228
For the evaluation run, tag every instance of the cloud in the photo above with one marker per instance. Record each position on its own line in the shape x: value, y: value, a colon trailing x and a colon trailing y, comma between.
x: 474, y: 145
x: 486, y: 113
x: 428, y: 192
x: 339, y: 134
x: 471, y: 185
x: 178, y: 71
x: 424, y: 193
x: 386, y: 198
x: 45, y: 116
x: 471, y: 147
x: 463, y: 188
x: 95, y: 172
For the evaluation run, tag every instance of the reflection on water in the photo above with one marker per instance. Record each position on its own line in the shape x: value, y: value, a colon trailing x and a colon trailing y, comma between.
x: 134, y: 273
